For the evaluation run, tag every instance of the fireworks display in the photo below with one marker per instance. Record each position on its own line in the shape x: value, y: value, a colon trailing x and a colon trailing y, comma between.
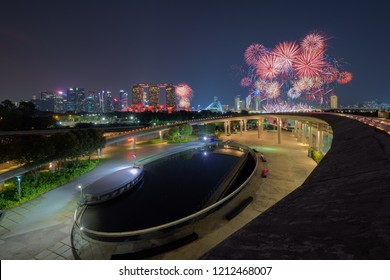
x: 184, y: 94
x: 292, y: 75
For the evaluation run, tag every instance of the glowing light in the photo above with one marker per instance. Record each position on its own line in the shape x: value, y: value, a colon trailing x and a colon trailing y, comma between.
x: 268, y: 67
x: 273, y: 90
x: 313, y: 42
x: 309, y: 64
x: 134, y: 171
x: 293, y: 76
x: 344, y: 78
x: 246, y: 82
x: 254, y: 53
x: 286, y: 53
x: 184, y: 94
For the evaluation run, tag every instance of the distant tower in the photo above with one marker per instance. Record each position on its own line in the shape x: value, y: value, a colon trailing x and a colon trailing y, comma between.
x: 333, y: 102
x: 154, y: 92
x: 74, y: 99
x: 257, y: 103
x: 124, y: 99
x: 237, y: 103
x: 170, y: 98
x: 47, y: 101
x: 59, y: 102
x: 248, y: 101
x: 138, y: 96
x: 90, y: 103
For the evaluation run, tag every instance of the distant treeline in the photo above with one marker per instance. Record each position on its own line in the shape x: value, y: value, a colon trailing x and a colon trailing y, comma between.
x: 22, y: 117
x: 38, y: 149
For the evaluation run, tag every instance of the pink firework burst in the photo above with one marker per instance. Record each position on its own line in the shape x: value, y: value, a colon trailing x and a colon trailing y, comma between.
x: 294, y: 93
x: 273, y: 90
x: 329, y: 74
x: 344, y: 78
x: 309, y: 64
x: 268, y: 67
x: 286, y: 53
x: 184, y: 103
x: 261, y: 85
x: 303, y: 84
x: 246, y: 82
x: 254, y: 53
x: 313, y: 42
x: 183, y: 90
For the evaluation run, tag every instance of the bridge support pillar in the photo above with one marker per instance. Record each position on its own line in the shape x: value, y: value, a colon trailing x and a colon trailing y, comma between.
x: 259, y: 127
x: 320, y: 135
x: 296, y: 129
x: 229, y: 126
x: 303, y: 134
x: 310, y: 128
x: 241, y: 124
x: 160, y: 133
x: 279, y: 123
x: 245, y: 125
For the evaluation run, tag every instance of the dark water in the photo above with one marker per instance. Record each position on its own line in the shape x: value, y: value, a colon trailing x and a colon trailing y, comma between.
x: 172, y: 188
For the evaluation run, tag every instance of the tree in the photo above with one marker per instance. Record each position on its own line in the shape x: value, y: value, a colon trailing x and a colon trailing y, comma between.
x: 185, y: 129
x: 173, y: 132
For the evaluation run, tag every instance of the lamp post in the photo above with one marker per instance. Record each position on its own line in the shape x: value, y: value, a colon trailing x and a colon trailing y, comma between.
x: 19, y: 179
x: 81, y: 193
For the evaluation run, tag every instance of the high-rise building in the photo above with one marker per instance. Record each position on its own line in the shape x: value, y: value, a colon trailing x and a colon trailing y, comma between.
x: 170, y: 97
x: 153, y: 101
x: 138, y: 96
x: 59, y: 102
x: 248, y: 101
x: 257, y: 103
x: 123, y: 99
x: 74, y: 99
x: 46, y: 102
x: 108, y: 102
x: 237, y: 103
x: 333, y: 102
x: 90, y: 104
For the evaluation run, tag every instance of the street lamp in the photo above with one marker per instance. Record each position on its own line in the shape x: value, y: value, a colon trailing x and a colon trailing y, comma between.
x: 19, y: 179
x: 81, y: 193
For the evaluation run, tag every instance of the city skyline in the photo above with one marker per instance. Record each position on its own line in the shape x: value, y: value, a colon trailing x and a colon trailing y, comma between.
x: 113, y: 46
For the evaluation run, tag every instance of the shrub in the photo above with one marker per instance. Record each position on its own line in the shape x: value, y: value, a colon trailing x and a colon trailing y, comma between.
x: 316, y: 155
x: 32, y: 187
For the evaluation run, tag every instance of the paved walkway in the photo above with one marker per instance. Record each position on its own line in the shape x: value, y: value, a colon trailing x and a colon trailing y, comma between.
x: 40, y: 229
x: 342, y: 211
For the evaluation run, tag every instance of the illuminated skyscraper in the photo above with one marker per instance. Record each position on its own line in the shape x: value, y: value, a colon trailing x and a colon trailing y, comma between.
x: 46, y: 103
x: 138, y: 96
x: 91, y: 103
x: 333, y: 102
x: 124, y: 99
x: 154, y: 92
x: 59, y: 102
x: 74, y: 99
x: 237, y: 103
x: 170, y: 97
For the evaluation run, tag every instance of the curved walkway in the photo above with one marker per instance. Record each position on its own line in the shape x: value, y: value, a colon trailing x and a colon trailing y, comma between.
x: 342, y: 211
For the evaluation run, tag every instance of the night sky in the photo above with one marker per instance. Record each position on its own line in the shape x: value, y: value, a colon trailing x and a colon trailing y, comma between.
x: 111, y: 45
